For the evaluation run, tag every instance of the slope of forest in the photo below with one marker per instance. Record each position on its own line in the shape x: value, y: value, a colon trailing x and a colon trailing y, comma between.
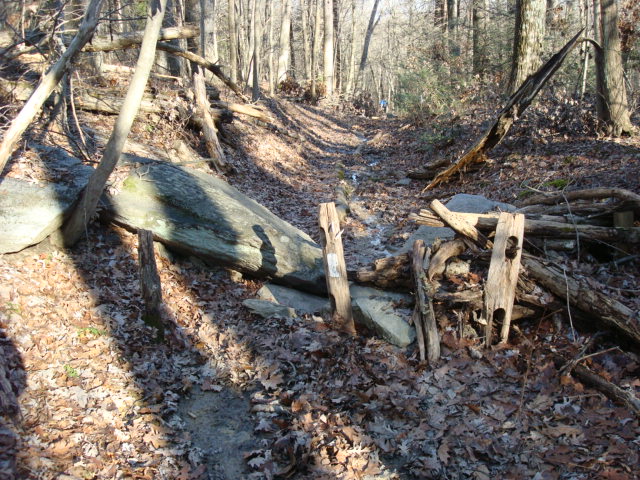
x: 228, y: 394
x: 361, y: 103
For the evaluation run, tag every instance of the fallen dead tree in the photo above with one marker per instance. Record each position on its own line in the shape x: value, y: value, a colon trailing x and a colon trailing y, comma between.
x: 514, y: 108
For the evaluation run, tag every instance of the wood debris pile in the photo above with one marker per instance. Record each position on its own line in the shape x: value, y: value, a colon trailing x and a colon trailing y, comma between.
x: 519, y: 265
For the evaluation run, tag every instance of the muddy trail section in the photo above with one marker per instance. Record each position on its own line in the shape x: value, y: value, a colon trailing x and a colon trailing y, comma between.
x: 89, y: 391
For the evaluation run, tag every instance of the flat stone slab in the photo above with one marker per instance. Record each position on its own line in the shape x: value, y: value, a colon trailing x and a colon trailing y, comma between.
x: 267, y: 309
x: 385, y: 313
x: 303, y: 303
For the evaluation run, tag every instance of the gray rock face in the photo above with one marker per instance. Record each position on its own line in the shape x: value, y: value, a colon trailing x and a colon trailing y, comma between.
x: 267, y: 309
x: 385, y: 313
x: 201, y: 215
x: 29, y: 212
x: 303, y: 303
x: 462, y: 202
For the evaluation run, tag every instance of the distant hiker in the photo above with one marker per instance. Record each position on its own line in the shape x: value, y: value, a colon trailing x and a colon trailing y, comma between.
x: 383, y: 105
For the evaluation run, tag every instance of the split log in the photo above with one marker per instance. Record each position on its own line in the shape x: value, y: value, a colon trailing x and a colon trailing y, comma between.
x: 582, y: 295
x: 334, y: 266
x: 249, y: 110
x: 122, y: 41
x: 613, y: 392
x: 500, y: 288
x: 208, y: 126
x: 514, y: 108
x: 459, y: 224
x: 537, y: 228
x: 424, y: 317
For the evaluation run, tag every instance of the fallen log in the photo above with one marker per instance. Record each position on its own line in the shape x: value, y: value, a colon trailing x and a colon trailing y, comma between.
x: 122, y: 41
x: 514, y: 108
x: 582, y: 296
x: 592, y: 379
x: 621, y: 194
x: 559, y: 228
x: 204, y: 63
x: 205, y: 120
x: 386, y: 273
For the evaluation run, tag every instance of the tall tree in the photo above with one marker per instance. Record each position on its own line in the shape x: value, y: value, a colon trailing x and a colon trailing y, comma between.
x: 305, y: 10
x: 352, y: 51
x: 285, y: 46
x: 233, y: 42
x: 367, y: 39
x: 479, y: 36
x: 527, y: 44
x: 314, y: 49
x: 74, y: 228
x: 328, y: 47
x: 615, y: 112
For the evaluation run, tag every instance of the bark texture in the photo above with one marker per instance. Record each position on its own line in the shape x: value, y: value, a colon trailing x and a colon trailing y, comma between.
x: 527, y: 44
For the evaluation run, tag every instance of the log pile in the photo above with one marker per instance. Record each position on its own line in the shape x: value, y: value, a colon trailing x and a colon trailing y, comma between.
x: 518, y: 263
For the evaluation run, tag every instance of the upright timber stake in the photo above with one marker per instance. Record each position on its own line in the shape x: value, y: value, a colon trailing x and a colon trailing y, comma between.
x: 334, y: 266
x: 501, y: 283
x: 150, y: 282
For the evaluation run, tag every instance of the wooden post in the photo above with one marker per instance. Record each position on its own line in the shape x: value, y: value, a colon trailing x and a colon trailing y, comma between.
x: 501, y: 283
x: 424, y: 318
x: 150, y: 281
x: 334, y: 266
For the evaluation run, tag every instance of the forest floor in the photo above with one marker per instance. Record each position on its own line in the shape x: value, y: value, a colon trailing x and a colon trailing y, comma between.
x: 228, y: 395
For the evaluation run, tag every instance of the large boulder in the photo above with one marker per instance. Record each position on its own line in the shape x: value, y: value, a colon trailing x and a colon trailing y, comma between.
x: 197, y: 214
x: 30, y: 211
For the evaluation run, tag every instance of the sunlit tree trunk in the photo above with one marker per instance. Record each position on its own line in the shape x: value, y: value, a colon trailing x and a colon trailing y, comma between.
x: 328, y: 47
x: 314, y: 48
x: 285, y: 46
x: 305, y: 10
x: 615, y: 115
x: 272, y: 48
x: 527, y: 44
x: 233, y: 41
x: 367, y: 41
x: 479, y: 36
x: 352, y: 51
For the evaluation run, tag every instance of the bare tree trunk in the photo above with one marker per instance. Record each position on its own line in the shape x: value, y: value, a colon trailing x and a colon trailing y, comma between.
x: 285, y: 46
x: 233, y: 42
x: 306, y: 40
x: 255, y: 89
x: 352, y: 52
x: 48, y: 83
x: 72, y: 231
x: 314, y: 49
x: 328, y: 47
x: 615, y: 115
x: 367, y: 41
x: 527, y: 44
x: 479, y: 36
x: 272, y: 47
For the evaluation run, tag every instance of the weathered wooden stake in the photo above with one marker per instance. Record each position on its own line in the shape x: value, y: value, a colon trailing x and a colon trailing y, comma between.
x: 334, y: 266
x: 150, y: 281
x: 501, y: 283
x: 424, y: 318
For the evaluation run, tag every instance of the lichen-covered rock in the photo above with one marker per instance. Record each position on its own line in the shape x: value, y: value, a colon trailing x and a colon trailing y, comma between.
x: 201, y: 215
